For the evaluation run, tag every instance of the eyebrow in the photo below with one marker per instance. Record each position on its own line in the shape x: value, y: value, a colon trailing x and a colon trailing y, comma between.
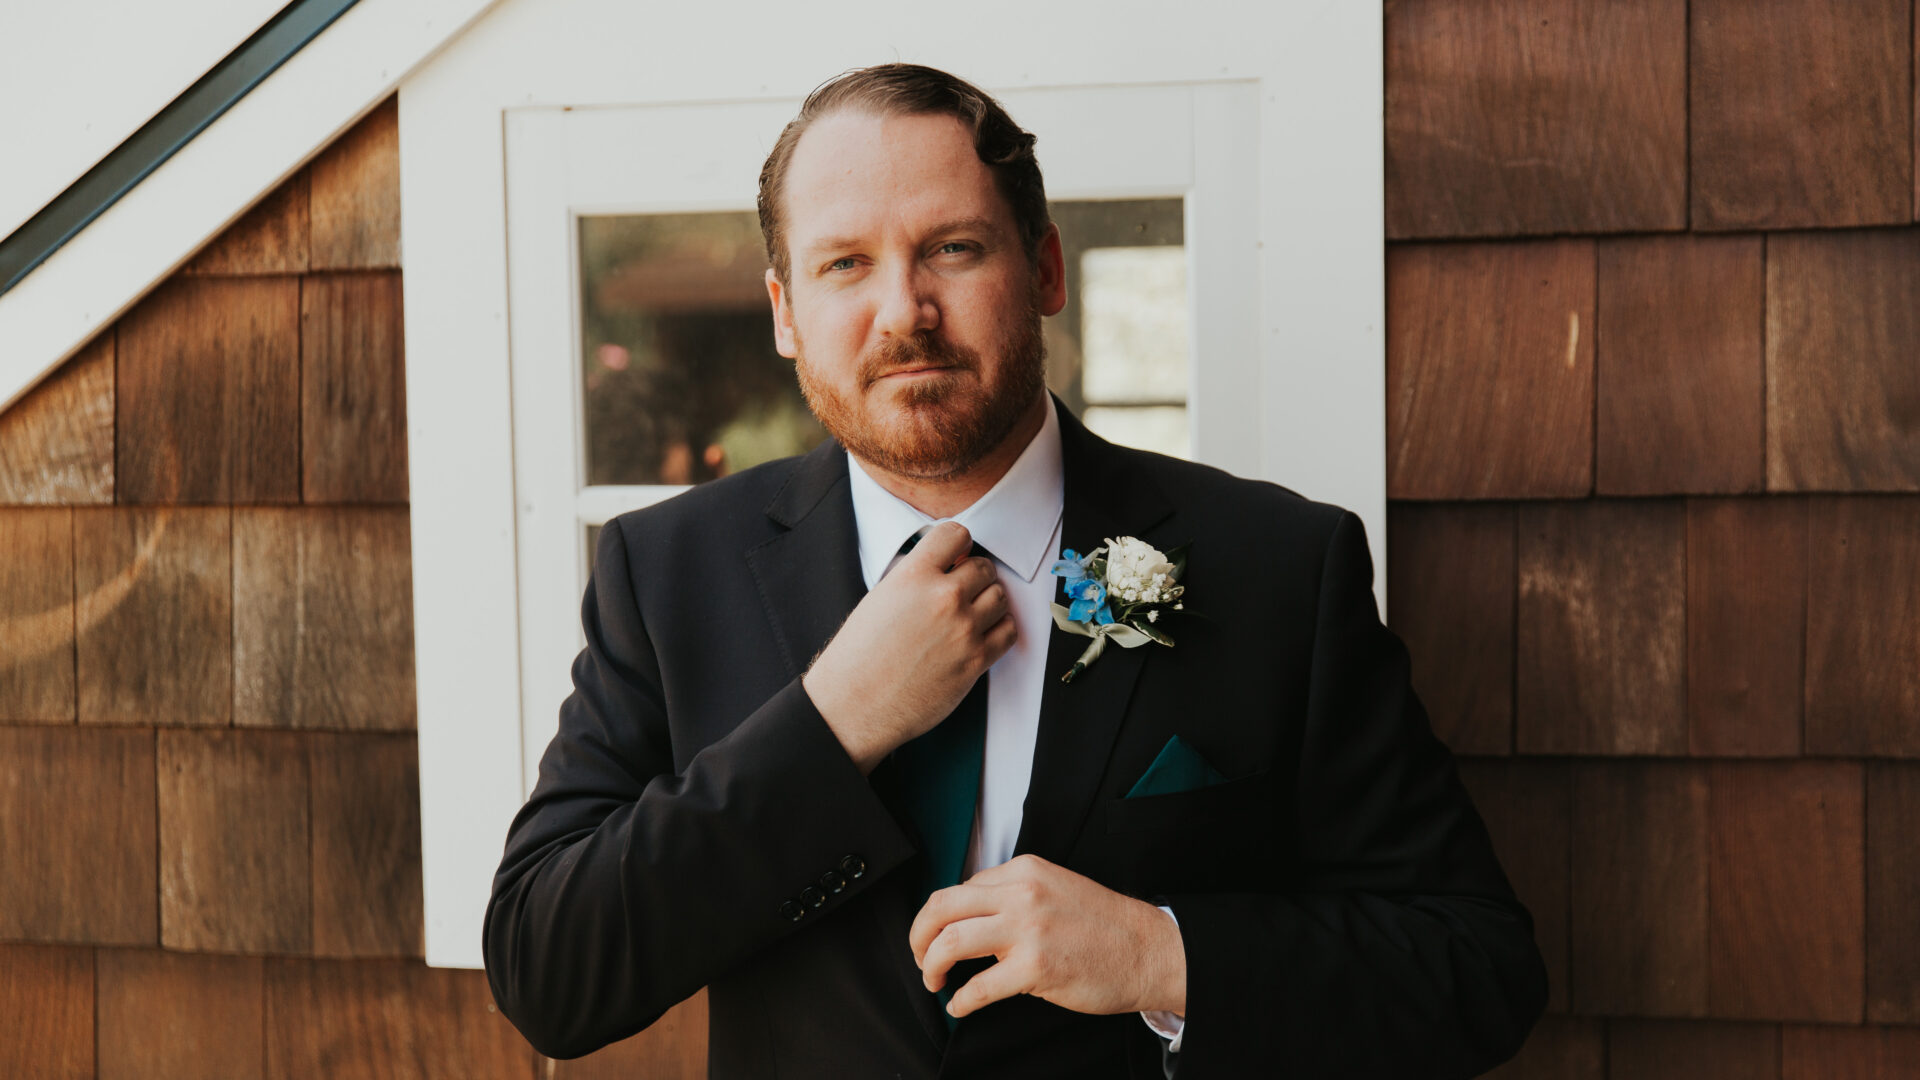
x: 962, y: 224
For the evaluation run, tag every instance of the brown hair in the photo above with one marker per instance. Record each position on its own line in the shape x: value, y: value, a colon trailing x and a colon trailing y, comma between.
x: 913, y: 90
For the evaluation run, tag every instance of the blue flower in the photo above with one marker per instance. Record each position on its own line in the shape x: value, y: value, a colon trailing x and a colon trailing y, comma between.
x: 1072, y: 565
x: 1086, y: 589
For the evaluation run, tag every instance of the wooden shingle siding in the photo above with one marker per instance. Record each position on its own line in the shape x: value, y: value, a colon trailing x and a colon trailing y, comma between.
x: 1560, y: 1048
x: 1452, y: 602
x: 178, y: 1016
x: 1893, y: 892
x: 1746, y: 625
x: 56, y: 443
x: 1863, y: 626
x: 1527, y: 806
x: 1639, y: 891
x: 77, y: 836
x: 234, y: 871
x: 153, y: 614
x: 366, y: 846
x: 1519, y: 116
x: 270, y: 239
x: 353, y: 389
x: 1836, y: 1053
x: 323, y: 618
x: 1843, y: 386
x: 36, y: 616
x: 1801, y: 113
x: 46, y: 1012
x: 1679, y: 361
x: 356, y: 195
x: 1692, y: 1050
x: 209, y: 393
x: 673, y: 1047
x: 1601, y: 628
x: 1787, y: 892
x: 386, y: 1019
x: 1490, y: 370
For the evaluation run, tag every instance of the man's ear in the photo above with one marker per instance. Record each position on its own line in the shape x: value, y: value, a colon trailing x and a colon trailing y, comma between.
x: 783, y: 335
x: 1053, y: 273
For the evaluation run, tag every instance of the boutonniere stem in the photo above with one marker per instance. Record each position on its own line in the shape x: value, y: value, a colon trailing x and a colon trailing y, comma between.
x: 1120, y: 597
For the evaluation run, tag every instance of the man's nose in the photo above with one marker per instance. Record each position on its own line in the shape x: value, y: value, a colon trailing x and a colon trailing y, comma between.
x: 906, y: 305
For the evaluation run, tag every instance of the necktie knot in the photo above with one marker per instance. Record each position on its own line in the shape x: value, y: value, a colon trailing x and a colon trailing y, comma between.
x: 914, y: 540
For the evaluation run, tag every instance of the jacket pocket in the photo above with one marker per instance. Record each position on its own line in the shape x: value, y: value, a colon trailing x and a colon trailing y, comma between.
x: 1186, y: 809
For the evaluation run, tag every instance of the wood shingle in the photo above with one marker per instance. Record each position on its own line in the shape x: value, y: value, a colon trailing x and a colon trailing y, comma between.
x: 1679, y: 361
x: 1843, y: 390
x: 1512, y: 117
x: 36, y: 615
x: 1601, y: 628
x: 353, y: 389
x: 323, y: 618
x: 1639, y: 891
x: 1786, y: 895
x: 77, y: 835
x: 153, y: 614
x: 1451, y: 601
x: 1746, y: 625
x: 56, y: 442
x: 209, y: 393
x: 234, y: 864
x: 178, y: 1016
x: 1490, y: 370
x: 1800, y: 113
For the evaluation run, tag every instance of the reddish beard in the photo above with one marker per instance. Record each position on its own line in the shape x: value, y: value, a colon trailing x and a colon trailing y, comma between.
x: 933, y: 427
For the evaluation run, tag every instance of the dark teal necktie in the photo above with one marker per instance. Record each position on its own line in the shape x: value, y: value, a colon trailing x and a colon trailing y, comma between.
x: 940, y: 782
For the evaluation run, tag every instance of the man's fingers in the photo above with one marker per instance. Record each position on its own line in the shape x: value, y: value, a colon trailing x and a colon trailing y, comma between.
x: 948, y: 905
x: 943, y: 545
x: 1002, y: 980
x: 984, y: 936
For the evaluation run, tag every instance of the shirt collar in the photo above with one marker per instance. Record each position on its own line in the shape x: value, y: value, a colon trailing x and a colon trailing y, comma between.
x: 1014, y: 520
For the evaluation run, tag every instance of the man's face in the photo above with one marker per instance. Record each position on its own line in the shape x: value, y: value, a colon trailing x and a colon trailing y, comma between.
x: 912, y: 309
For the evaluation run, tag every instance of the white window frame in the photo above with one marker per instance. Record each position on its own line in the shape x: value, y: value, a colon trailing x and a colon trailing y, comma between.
x: 1289, y: 110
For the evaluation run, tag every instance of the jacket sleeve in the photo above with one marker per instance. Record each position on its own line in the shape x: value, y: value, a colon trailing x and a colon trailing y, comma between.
x: 625, y: 887
x: 1403, y: 952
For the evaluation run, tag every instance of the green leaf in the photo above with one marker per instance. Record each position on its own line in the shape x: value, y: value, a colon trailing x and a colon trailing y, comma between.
x: 1152, y: 631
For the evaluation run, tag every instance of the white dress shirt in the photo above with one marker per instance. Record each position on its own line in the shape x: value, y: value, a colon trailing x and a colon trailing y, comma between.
x: 1018, y: 520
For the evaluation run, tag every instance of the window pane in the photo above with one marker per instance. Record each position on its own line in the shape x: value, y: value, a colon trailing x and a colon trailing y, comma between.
x: 681, y: 381
x: 1117, y: 353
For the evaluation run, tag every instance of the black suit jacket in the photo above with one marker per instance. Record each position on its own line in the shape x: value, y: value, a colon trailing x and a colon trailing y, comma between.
x: 1342, y: 910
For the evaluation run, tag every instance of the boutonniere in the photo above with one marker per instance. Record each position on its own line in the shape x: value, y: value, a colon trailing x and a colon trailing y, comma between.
x: 1120, y: 597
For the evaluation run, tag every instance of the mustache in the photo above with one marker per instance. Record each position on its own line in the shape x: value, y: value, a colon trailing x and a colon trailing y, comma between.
x: 918, y: 351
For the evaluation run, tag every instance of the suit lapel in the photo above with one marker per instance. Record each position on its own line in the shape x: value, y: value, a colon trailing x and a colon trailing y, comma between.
x: 810, y: 579
x: 1079, y: 721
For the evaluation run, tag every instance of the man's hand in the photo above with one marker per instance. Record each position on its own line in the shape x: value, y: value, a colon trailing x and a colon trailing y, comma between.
x: 1056, y: 935
x: 912, y: 647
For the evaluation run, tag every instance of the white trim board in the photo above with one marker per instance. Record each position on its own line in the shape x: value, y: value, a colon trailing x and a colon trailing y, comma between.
x: 263, y: 139
x: 1320, y: 287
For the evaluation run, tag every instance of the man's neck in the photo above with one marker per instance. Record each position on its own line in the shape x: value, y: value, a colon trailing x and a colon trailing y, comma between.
x: 943, y: 498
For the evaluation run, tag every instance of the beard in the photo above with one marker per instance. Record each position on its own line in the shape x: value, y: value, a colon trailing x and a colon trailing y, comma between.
x: 934, y: 427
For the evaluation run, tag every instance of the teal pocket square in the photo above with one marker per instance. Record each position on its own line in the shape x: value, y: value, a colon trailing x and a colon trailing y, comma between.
x: 1179, y: 767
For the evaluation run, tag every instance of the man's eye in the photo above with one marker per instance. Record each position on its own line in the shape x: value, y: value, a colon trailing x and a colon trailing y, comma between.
x: 954, y: 247
x: 843, y: 263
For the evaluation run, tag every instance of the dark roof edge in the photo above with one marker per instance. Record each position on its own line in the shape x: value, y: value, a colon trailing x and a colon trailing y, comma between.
x: 161, y: 137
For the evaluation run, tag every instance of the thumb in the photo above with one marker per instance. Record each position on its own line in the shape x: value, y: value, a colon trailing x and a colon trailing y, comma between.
x: 942, y: 546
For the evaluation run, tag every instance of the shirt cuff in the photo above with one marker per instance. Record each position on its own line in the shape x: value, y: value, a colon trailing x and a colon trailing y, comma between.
x: 1167, y: 1025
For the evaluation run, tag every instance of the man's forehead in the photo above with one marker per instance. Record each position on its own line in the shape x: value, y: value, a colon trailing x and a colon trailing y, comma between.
x: 853, y: 172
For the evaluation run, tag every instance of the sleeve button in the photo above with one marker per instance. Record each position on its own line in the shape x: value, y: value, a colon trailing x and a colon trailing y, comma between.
x: 792, y: 911
x: 812, y: 897
x: 833, y: 881
x: 853, y: 866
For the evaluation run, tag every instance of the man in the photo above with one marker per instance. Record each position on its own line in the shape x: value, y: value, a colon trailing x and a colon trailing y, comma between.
x: 836, y: 777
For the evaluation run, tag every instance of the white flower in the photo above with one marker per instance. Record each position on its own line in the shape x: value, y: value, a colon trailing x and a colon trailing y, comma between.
x: 1135, y: 568
x: 1153, y: 615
